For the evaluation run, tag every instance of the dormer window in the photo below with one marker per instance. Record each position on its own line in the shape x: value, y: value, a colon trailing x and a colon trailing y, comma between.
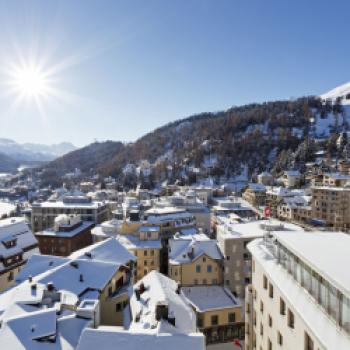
x: 9, y: 242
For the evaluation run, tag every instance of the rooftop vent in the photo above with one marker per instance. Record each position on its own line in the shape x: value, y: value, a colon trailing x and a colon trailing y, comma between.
x: 74, y: 264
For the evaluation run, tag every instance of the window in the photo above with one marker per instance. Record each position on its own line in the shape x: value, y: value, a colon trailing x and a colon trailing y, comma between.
x: 279, y: 338
x: 145, y: 253
x: 261, y: 306
x: 195, y: 281
x: 265, y: 282
x: 231, y: 317
x: 270, y: 321
x: 214, y: 320
x: 247, y: 280
x: 290, y: 319
x: 118, y: 307
x: 10, y: 276
x: 309, y: 344
x: 261, y: 329
x: 199, y: 322
x: 227, y: 257
x: 145, y: 262
x: 198, y: 268
x: 270, y: 290
x: 204, y: 281
x: 269, y: 344
x: 204, y: 259
x: 282, y: 307
x: 209, y: 268
x: 152, y: 252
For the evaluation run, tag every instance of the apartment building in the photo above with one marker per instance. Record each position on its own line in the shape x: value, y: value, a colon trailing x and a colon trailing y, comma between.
x: 255, y: 194
x: 233, y: 239
x: 146, y: 246
x: 57, y: 298
x: 17, y: 245
x: 169, y: 219
x: 331, y: 206
x: 291, y: 178
x: 219, y: 314
x: 295, y: 208
x: 43, y: 214
x: 68, y: 234
x: 161, y: 318
x: 300, y: 292
x: 195, y: 260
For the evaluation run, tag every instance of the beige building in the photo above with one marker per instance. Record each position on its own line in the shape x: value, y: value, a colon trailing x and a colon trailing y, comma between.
x: 265, y: 178
x: 295, y: 208
x: 17, y: 245
x: 44, y: 214
x: 300, y: 296
x: 255, y: 194
x: 219, y: 314
x: 331, y: 205
x: 291, y: 178
x: 195, y: 260
x: 233, y: 239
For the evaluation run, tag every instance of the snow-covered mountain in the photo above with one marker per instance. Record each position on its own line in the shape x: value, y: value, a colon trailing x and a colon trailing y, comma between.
x: 34, y: 152
x: 342, y: 92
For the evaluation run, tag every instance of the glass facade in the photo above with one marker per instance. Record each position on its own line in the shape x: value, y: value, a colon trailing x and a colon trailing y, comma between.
x: 332, y: 300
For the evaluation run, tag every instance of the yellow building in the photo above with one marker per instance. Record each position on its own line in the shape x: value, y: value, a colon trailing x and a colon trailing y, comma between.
x: 146, y: 246
x: 219, y: 313
x: 17, y: 244
x: 195, y: 260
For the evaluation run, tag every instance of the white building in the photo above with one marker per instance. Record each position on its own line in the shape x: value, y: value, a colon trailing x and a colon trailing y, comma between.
x: 300, y: 292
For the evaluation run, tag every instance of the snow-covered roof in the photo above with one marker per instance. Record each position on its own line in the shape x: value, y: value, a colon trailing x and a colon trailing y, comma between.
x: 85, y: 225
x: 108, y: 251
x: 38, y: 264
x: 6, y: 208
x: 255, y: 228
x: 328, y: 252
x: 21, y: 333
x: 256, y: 187
x: 16, y: 229
x: 161, y: 290
x: 210, y: 298
x: 330, y: 258
x: 133, y: 242
x: 110, y: 338
x: 292, y: 173
x: 80, y: 276
x: 185, y: 249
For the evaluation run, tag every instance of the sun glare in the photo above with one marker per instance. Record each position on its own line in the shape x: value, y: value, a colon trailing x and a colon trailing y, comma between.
x: 30, y: 81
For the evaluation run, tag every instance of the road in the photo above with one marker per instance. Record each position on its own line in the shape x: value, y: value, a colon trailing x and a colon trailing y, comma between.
x: 225, y: 346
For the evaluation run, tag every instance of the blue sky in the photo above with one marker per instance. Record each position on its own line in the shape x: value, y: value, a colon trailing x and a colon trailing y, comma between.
x: 127, y: 67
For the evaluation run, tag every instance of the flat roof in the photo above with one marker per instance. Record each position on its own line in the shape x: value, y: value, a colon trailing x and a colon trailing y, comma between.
x: 206, y: 298
x: 66, y: 234
x: 322, y: 327
x: 326, y: 252
x: 255, y: 228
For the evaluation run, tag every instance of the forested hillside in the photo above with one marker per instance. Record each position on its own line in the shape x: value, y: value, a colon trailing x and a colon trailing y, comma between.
x: 268, y: 136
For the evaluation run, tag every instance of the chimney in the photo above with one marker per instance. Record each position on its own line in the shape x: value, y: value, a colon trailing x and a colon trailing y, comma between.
x: 50, y: 287
x: 30, y: 278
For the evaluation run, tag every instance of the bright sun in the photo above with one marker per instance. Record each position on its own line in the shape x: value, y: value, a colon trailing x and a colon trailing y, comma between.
x: 30, y: 81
